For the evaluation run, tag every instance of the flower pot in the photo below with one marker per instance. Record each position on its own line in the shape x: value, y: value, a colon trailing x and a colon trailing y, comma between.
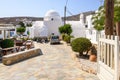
x: 93, y: 58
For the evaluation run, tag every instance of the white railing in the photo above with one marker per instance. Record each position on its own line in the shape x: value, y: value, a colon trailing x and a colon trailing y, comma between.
x: 108, y: 58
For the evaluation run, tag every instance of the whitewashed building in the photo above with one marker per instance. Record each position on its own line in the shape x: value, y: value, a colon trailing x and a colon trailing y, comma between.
x: 52, y: 21
x: 81, y: 25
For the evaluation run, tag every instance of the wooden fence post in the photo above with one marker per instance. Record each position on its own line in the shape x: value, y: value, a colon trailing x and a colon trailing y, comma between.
x: 116, y: 53
x: 98, y: 55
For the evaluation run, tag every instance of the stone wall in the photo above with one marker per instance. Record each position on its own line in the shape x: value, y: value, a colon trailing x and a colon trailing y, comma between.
x: 19, y: 56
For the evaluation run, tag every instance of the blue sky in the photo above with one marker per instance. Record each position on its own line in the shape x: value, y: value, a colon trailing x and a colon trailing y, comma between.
x: 38, y: 8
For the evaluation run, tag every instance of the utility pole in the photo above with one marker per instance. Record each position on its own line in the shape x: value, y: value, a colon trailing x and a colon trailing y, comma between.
x: 65, y: 8
x: 109, y: 17
x: 65, y: 15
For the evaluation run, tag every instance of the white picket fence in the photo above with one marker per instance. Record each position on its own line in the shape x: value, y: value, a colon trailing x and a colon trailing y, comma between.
x: 108, y: 58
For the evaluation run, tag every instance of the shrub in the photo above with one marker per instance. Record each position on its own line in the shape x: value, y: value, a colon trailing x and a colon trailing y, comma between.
x: 63, y: 35
x: 35, y: 39
x: 21, y: 30
x: 81, y: 45
x: 65, y: 29
x: 67, y: 38
x: 7, y: 43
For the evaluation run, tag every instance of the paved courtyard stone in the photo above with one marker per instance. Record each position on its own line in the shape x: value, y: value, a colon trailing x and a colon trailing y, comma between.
x: 56, y: 63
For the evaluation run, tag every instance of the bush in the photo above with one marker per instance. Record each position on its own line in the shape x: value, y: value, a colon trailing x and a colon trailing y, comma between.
x: 21, y: 30
x: 66, y: 29
x: 81, y: 45
x: 67, y: 38
x: 63, y: 35
x: 7, y: 43
x: 35, y: 38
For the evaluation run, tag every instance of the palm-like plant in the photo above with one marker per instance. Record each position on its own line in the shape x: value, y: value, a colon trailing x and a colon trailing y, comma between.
x: 99, y: 18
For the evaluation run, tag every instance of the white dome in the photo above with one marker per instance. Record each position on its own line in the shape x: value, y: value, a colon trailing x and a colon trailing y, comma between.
x: 51, y: 13
x: 53, y: 21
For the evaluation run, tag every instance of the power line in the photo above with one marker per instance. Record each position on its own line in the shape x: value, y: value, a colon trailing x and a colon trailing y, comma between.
x: 66, y: 2
x: 69, y: 12
x: 74, y: 16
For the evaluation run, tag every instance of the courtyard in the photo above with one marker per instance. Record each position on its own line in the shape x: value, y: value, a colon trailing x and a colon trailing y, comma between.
x: 56, y: 63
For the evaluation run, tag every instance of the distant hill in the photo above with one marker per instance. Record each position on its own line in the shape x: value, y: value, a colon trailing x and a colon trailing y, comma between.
x: 77, y: 17
x: 16, y: 20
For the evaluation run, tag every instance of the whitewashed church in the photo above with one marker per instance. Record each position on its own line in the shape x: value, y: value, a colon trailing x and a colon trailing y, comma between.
x: 52, y: 21
x: 82, y: 27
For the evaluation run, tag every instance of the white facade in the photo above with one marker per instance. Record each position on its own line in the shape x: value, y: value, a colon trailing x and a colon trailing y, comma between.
x: 89, y: 22
x: 78, y: 28
x: 91, y: 33
x: 38, y: 30
x: 6, y: 31
x: 52, y: 21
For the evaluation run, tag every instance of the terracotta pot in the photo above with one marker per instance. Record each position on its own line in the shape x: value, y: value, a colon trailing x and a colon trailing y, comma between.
x: 93, y: 58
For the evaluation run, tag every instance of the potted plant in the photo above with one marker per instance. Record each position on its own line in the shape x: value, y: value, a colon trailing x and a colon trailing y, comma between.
x: 93, y: 54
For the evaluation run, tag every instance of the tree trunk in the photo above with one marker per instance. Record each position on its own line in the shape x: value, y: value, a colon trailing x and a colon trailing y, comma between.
x: 118, y: 28
x: 109, y: 17
x: 80, y: 54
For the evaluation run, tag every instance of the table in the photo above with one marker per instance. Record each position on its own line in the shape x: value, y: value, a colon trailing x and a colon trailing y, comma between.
x: 18, y: 43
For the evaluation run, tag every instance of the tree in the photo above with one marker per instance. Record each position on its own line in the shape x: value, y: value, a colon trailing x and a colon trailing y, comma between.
x: 21, y: 30
x: 99, y: 19
x: 29, y: 25
x: 66, y: 29
x: 117, y: 17
x: 21, y: 24
x: 109, y: 17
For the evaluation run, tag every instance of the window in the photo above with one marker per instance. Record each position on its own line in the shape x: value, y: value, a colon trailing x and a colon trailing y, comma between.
x: 52, y: 19
x: 86, y: 26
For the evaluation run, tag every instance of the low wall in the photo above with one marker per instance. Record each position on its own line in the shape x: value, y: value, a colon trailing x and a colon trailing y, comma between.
x: 19, y: 56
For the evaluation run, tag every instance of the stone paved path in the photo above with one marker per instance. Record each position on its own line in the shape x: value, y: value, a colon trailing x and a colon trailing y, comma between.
x: 54, y: 64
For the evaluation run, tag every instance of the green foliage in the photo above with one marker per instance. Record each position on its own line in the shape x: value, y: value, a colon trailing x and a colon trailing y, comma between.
x: 67, y: 38
x: 117, y: 14
x: 29, y: 25
x: 21, y: 24
x: 63, y: 35
x: 65, y: 29
x: 99, y: 17
x: 7, y: 43
x: 81, y: 44
x: 28, y: 32
x: 21, y: 30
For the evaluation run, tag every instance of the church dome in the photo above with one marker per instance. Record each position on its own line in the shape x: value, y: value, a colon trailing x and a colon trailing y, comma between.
x: 53, y: 21
x: 52, y: 13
